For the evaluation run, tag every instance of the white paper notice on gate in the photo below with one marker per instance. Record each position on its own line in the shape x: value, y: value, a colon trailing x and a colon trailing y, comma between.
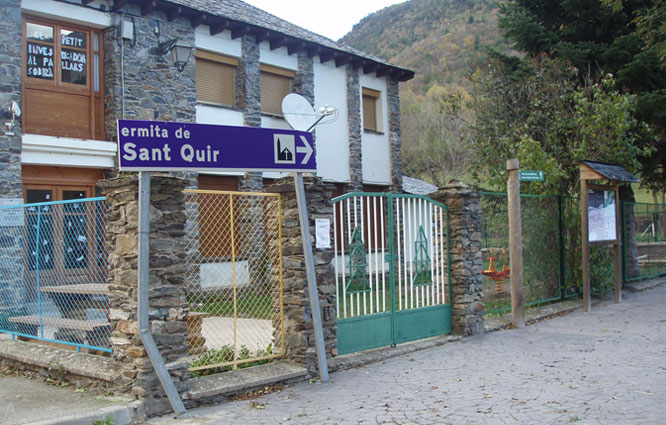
x: 323, y: 233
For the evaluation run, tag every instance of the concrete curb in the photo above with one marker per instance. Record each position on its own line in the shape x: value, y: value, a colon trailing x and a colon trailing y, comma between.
x: 120, y: 415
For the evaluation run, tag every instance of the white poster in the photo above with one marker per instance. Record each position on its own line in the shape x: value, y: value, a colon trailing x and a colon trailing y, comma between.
x: 323, y: 233
x: 601, y: 215
x: 11, y: 216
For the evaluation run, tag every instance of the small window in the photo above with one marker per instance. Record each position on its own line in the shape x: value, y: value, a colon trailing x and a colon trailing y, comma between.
x: 372, y: 111
x: 215, y: 78
x: 275, y: 85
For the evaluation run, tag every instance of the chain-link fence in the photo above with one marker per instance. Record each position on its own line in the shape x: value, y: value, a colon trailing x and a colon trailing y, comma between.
x: 53, y: 273
x: 549, y: 259
x: 234, y: 279
x: 644, y: 250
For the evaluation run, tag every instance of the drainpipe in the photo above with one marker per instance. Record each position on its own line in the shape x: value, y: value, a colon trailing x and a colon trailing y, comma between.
x: 143, y: 266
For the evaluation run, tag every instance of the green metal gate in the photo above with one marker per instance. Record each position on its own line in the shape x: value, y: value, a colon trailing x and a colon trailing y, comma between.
x: 392, y: 269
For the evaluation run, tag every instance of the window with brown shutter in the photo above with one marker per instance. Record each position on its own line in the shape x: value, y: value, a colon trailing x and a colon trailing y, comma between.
x: 275, y: 85
x: 62, y: 79
x: 371, y: 110
x: 215, y: 78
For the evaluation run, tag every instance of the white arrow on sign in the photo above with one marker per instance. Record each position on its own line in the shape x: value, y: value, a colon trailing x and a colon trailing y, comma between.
x: 307, y: 150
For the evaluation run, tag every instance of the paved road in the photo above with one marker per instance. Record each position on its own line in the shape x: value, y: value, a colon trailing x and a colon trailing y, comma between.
x: 604, y: 367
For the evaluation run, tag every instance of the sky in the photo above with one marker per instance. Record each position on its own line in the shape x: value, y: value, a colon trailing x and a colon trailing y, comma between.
x: 332, y: 18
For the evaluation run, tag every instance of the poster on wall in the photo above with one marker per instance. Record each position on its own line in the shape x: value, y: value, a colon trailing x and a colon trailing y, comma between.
x: 601, y: 215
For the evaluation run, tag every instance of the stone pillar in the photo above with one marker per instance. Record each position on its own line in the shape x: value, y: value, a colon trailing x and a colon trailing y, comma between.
x: 168, y: 306
x: 11, y: 243
x: 299, y: 330
x: 464, y: 204
x: 393, y: 100
x: 354, y: 125
x: 248, y: 98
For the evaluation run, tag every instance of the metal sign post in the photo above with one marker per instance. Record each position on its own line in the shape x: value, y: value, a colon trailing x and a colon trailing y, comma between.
x: 143, y: 266
x: 312, y: 280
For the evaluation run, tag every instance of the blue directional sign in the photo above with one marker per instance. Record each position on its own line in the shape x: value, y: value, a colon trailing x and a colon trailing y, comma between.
x: 175, y: 146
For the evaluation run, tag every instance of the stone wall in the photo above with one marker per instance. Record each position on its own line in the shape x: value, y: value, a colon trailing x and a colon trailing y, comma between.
x: 464, y: 204
x: 299, y: 330
x: 153, y: 87
x: 395, y: 146
x: 11, y: 280
x: 168, y: 306
x: 354, y: 125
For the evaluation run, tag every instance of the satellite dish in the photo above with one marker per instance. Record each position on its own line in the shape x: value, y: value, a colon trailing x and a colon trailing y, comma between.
x: 298, y: 112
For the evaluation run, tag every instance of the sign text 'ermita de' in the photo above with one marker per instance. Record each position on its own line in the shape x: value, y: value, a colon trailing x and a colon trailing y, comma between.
x: 174, y: 146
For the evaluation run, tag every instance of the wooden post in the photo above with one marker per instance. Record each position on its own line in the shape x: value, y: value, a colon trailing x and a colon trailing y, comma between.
x: 617, y: 247
x: 515, y: 246
x: 585, y: 244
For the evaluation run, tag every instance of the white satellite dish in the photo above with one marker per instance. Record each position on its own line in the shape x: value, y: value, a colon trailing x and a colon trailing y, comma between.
x: 298, y: 112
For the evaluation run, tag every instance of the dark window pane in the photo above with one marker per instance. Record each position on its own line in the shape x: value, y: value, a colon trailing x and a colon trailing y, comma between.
x: 74, y: 66
x: 76, y: 241
x: 73, y: 39
x: 40, y: 241
x: 39, y: 61
x: 38, y: 195
x: 39, y: 32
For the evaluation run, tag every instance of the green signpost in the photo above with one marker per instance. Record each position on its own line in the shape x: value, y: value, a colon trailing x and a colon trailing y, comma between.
x: 530, y: 176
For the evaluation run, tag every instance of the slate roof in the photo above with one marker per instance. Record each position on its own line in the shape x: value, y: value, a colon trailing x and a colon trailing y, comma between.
x: 417, y: 186
x: 612, y: 171
x: 241, y: 12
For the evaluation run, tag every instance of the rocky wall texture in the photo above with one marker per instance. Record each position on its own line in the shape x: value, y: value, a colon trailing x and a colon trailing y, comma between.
x: 248, y: 97
x: 464, y: 204
x: 168, y: 305
x: 395, y: 146
x: 153, y: 88
x: 11, y: 244
x: 354, y: 126
x: 299, y: 330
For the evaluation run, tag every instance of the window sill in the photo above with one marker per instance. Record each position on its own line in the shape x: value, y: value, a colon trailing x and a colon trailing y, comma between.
x: 218, y: 105
x: 271, y: 115
x: 370, y: 131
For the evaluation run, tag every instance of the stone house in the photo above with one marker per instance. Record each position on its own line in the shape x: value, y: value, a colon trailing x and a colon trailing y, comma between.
x: 75, y: 67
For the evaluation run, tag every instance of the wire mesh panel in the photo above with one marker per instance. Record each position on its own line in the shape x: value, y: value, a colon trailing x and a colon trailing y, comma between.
x: 53, y: 272
x: 543, y: 248
x: 234, y: 279
x: 646, y: 223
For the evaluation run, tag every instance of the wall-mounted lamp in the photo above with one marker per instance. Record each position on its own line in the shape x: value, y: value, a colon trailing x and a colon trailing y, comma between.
x: 180, y: 52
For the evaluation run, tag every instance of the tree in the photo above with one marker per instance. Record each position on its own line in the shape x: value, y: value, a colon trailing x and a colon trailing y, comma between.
x: 536, y: 111
x: 435, y: 133
x: 598, y: 40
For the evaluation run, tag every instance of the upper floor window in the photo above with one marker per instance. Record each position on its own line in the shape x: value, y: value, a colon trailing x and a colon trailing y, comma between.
x: 215, y: 78
x: 62, y: 79
x: 275, y: 85
x: 372, y: 110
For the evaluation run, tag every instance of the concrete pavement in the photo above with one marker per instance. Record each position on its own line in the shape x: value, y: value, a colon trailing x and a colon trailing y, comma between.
x: 604, y: 367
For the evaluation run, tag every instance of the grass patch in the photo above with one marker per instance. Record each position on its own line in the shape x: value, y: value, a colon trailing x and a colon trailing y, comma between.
x: 226, y: 354
x: 250, y: 305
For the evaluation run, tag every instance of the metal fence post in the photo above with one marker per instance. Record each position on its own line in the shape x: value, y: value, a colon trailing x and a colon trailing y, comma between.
x: 563, y: 251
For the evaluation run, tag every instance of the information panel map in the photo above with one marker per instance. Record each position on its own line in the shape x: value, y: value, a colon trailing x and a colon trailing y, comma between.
x: 176, y: 146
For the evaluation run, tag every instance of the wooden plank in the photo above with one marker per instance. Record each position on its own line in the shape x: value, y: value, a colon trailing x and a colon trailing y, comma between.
x: 59, y: 322
x: 515, y: 245
x: 81, y: 289
x: 585, y: 245
x: 586, y: 173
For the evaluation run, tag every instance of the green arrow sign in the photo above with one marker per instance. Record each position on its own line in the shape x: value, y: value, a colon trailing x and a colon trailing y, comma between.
x: 530, y: 176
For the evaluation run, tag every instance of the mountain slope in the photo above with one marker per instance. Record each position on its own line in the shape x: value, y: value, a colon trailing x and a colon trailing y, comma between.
x: 441, y: 40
